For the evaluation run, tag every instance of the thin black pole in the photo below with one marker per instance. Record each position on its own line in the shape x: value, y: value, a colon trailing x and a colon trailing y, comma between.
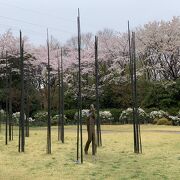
x: 76, y: 80
x: 99, y: 140
x: 59, y: 101
x: 132, y: 87
x: 80, y: 96
x: 62, y: 99
x: 22, y: 138
x: 10, y: 104
x: 138, y: 138
x: 49, y: 103
x: 19, y: 144
x: 78, y: 135
x: 12, y: 121
x: 134, y: 92
x: 6, y: 128
x: 27, y: 102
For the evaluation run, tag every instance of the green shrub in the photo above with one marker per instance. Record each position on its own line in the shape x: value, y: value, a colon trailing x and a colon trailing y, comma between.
x: 149, y: 110
x: 41, y: 118
x: 106, y: 117
x: 127, y: 116
x: 173, y: 111
x: 70, y: 116
x: 175, y: 120
x: 158, y: 114
x: 115, y: 114
x: 155, y: 121
x: 55, y: 120
x: 16, y: 117
x: 164, y: 121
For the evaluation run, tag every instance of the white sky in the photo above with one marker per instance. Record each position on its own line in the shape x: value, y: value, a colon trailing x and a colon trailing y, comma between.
x: 34, y: 16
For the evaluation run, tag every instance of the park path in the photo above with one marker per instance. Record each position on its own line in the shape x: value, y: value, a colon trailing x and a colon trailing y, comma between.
x: 125, y: 131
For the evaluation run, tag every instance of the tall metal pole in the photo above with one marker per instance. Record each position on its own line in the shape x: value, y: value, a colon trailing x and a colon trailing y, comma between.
x: 10, y: 105
x: 79, y: 76
x: 138, y: 137
x: 19, y: 144
x: 134, y: 92
x: 12, y: 121
x: 132, y: 87
x: 6, y: 128
x: 49, y: 103
x: 22, y: 138
x: 59, y: 101
x: 78, y: 123
x: 62, y: 99
x: 99, y: 140
x: 27, y: 103
x: 136, y: 123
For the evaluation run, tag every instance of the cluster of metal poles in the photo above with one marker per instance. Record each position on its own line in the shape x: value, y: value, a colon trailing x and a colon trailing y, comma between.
x: 22, y: 120
x: 25, y: 122
x: 79, y: 123
x: 60, y: 98
x: 132, y: 64
x: 9, y: 122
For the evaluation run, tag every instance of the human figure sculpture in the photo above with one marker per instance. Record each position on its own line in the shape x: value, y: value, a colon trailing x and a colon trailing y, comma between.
x: 91, y: 131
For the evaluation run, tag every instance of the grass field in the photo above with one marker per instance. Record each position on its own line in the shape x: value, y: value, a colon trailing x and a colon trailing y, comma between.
x: 115, y: 159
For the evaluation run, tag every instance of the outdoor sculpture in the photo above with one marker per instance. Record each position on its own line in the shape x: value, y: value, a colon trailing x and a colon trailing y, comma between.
x: 91, y: 131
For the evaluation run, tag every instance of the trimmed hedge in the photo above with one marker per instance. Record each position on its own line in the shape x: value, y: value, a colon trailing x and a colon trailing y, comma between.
x: 41, y: 118
x: 69, y: 114
x: 164, y: 121
x: 115, y: 113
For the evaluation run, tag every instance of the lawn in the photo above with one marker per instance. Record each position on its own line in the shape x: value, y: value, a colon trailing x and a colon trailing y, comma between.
x: 114, y: 160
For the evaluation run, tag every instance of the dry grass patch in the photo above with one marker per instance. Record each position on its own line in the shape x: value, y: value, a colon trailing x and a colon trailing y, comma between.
x: 115, y: 160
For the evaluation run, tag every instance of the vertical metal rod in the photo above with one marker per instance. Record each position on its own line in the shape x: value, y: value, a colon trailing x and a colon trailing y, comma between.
x: 10, y: 103
x: 49, y: 103
x: 78, y: 135
x: 19, y: 144
x: 139, y: 146
x: 99, y: 142
x: 80, y: 96
x: 62, y: 99
x: 6, y: 128
x: 22, y: 139
x: 12, y: 122
x: 76, y: 80
x: 59, y: 100
x: 12, y: 130
x: 27, y: 103
x: 134, y: 92
x: 132, y: 87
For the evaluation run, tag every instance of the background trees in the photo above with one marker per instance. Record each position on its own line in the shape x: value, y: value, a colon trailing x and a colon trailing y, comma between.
x: 158, y: 68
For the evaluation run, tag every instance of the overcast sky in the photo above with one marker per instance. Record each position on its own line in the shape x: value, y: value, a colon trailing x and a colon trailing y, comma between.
x: 34, y: 16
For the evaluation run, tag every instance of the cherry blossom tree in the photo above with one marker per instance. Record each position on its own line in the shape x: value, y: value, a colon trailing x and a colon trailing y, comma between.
x: 158, y: 49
